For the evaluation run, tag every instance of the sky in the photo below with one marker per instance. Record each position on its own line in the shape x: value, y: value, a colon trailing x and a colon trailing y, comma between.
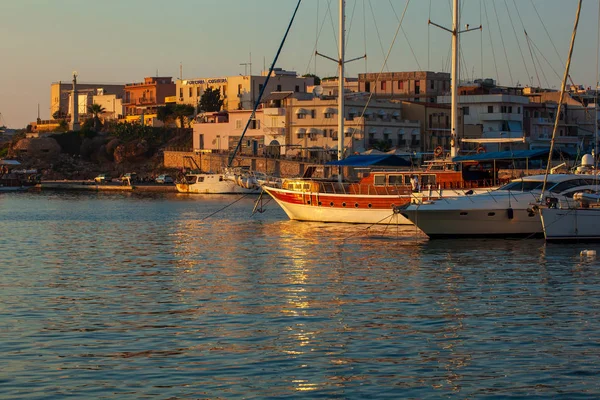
x: 123, y: 41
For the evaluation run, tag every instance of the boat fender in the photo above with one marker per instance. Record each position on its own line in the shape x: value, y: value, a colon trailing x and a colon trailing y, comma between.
x: 510, y: 213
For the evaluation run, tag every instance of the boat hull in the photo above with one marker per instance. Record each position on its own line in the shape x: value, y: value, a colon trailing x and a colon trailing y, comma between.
x: 582, y: 224
x: 493, y: 222
x: 327, y: 207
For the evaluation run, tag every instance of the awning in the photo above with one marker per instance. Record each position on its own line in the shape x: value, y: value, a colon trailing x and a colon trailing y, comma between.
x: 396, y: 114
x: 300, y: 130
x: 314, y: 130
x: 301, y: 111
x: 348, y: 129
x: 9, y: 162
x: 330, y: 110
x: 381, y: 112
x: 372, y: 130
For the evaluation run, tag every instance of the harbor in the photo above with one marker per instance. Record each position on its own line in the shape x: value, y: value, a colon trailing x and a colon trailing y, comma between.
x: 160, y: 295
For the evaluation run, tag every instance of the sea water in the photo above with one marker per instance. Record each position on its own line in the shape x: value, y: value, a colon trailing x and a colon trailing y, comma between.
x: 178, y: 296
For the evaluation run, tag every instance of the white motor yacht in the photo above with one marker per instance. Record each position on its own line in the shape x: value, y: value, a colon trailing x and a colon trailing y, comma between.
x: 508, y: 211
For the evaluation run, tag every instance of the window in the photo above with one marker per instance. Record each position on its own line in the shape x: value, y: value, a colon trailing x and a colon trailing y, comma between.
x: 518, y: 110
x: 401, y: 85
x: 297, y: 89
x: 367, y: 86
x: 300, y: 135
x: 301, y: 115
x: 328, y: 115
x: 238, y: 124
x: 383, y: 85
x: 279, y: 88
x: 432, y: 85
x: 260, y: 87
x: 190, y: 92
x: 466, y: 110
x: 379, y: 180
x: 181, y: 92
x: 346, y: 134
x: 510, y: 109
x: 417, y: 87
x: 239, y: 89
x: 313, y: 114
x: 490, y: 109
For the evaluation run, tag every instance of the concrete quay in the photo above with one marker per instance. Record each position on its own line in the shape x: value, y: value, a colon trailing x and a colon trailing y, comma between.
x: 110, y: 186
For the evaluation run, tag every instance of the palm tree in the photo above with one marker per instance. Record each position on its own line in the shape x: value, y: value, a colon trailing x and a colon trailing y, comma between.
x: 96, y: 110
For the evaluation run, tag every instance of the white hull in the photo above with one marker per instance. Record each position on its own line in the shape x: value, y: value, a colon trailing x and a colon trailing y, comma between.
x: 571, y: 224
x: 316, y: 213
x: 212, y: 184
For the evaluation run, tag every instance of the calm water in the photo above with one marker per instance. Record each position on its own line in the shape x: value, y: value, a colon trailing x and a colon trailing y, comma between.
x: 129, y: 296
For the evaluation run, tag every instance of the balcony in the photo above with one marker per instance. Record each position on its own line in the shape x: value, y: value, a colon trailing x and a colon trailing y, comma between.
x: 274, y: 130
x: 274, y: 111
x: 146, y: 100
x: 500, y: 117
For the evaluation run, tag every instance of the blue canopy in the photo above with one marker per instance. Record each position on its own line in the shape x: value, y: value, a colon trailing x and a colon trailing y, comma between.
x: 512, y: 155
x: 387, y: 160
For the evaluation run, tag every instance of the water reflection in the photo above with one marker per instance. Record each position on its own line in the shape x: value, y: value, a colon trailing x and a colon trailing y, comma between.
x: 159, y: 298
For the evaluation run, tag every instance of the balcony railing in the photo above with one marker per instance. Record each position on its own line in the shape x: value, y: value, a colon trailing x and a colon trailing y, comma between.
x: 146, y: 100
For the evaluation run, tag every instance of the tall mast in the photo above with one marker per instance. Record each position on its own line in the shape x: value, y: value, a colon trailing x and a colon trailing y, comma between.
x: 454, y: 83
x: 341, y: 39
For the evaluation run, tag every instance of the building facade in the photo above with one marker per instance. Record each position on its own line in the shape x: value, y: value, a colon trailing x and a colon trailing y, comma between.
x: 241, y: 92
x: 142, y: 99
x: 301, y: 127
x: 417, y: 86
x: 60, y: 94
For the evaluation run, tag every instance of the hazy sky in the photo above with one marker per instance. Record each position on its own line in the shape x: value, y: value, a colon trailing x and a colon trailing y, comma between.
x: 121, y: 41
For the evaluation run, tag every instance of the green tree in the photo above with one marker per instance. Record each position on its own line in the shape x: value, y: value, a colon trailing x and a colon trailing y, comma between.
x: 382, y: 145
x: 183, y: 112
x: 210, y: 101
x: 59, y: 115
x: 317, y: 79
x: 166, y: 113
x: 95, y: 110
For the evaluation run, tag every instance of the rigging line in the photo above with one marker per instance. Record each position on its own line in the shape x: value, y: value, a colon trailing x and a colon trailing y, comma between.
x: 428, y: 37
x: 512, y: 82
x: 545, y: 59
x: 314, y: 50
x: 365, y: 34
x: 547, y: 34
x: 316, y: 41
x: 528, y: 45
x: 481, y: 40
x: 226, y: 206
x: 518, y: 43
x: 349, y: 29
x: 406, y: 37
x: 540, y: 64
x: 382, y: 67
x: 487, y: 21
x: 378, y: 35
x: 262, y: 90
x: 596, y: 90
x: 532, y: 59
x: 335, y: 38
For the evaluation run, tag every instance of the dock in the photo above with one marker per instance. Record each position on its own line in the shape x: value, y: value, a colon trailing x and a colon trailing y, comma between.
x: 110, y: 186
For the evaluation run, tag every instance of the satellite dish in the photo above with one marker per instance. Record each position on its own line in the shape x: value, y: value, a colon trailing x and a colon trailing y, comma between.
x: 318, y: 91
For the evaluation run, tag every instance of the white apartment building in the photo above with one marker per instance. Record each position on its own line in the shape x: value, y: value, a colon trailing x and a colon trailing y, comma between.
x: 499, y: 116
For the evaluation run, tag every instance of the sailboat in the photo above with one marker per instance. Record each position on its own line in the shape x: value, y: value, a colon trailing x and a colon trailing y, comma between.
x: 579, y: 220
x: 373, y: 198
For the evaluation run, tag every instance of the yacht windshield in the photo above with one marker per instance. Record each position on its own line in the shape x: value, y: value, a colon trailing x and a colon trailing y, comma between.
x: 523, y: 186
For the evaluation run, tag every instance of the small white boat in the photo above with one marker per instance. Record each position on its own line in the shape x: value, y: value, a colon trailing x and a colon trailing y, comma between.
x: 578, y: 223
x: 208, y: 183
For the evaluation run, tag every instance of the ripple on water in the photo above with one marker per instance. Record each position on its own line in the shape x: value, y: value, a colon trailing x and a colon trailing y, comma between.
x: 125, y: 296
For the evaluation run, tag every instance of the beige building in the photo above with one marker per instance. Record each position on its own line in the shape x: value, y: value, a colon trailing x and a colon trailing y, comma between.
x: 306, y: 127
x: 240, y: 92
x: 418, y: 86
x: 60, y: 94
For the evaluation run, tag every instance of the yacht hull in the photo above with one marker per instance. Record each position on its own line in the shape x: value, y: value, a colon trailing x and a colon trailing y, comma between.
x: 582, y: 224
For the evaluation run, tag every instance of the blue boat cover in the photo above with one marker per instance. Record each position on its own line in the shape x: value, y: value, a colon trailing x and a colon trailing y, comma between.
x: 387, y: 160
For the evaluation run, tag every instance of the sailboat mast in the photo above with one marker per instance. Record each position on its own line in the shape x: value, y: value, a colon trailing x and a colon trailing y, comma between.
x: 342, y: 39
x: 454, y: 83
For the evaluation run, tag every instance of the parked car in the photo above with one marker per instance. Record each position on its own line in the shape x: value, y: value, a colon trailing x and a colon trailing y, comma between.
x: 129, y: 178
x: 164, y: 179
x: 102, y: 178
